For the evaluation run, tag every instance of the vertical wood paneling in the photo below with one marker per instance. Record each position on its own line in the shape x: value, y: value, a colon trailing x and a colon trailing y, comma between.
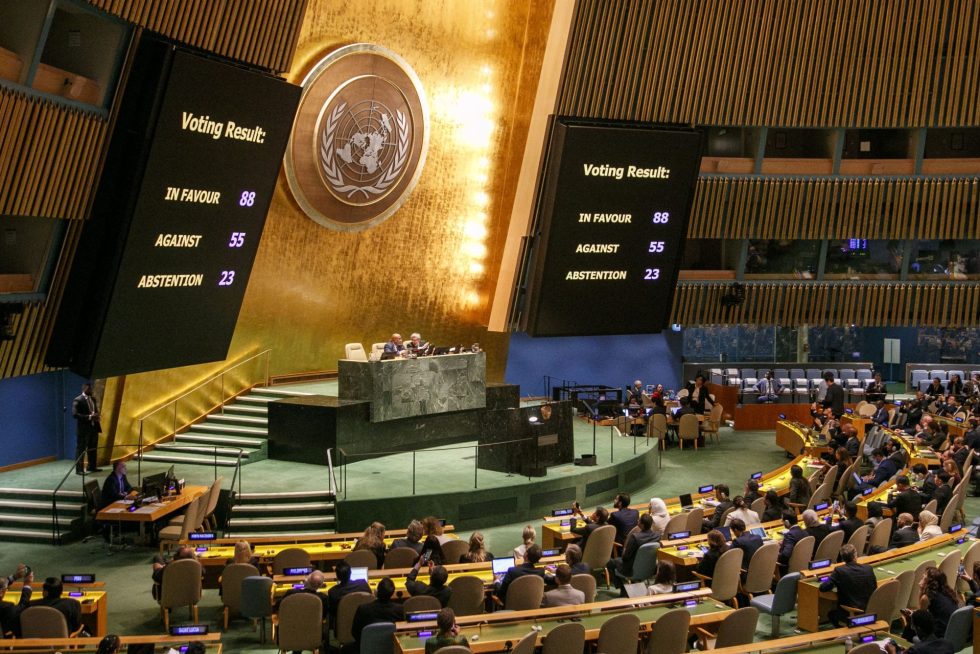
x: 258, y: 32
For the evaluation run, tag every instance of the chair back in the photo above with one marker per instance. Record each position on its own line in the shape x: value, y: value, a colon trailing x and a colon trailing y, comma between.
x: 802, y: 554
x: 377, y: 349
x: 585, y: 583
x: 459, y: 649
x: 453, y: 550
x: 301, y: 622
x: 784, y: 599
x: 677, y: 522
x: 845, y: 480
x: 881, y: 534
x: 920, y: 571
x: 688, y: 427
x: 422, y: 603
x: 355, y: 352
x: 859, y: 539
x: 867, y: 410
x: 43, y: 622
x: 728, y: 570
x: 192, y: 517
x: 93, y: 496
x: 885, y: 598
x: 377, y: 638
x: 400, y: 557
x: 291, y: 557
x: 759, y: 505
x: 738, y: 628
x: 345, y: 615
x: 958, y: 627
x: 946, y: 521
x: 657, y: 427
x: 814, y: 481
x: 525, y: 593
x: 645, y: 563
x: 214, y: 494
x: 724, y: 515
x: 866, y: 648
x: 931, y: 506
x: 524, y: 646
x: 950, y: 567
x: 904, y: 579
x: 830, y: 476
x: 256, y: 597
x: 694, y: 519
x: 762, y: 567
x: 619, y: 634
x: 821, y: 494
x: 830, y: 546
x: 467, y: 596
x: 668, y: 635
x: 362, y: 559
x: 566, y: 637
x: 181, y: 584
x: 971, y: 557
x: 598, y: 548
x: 231, y: 583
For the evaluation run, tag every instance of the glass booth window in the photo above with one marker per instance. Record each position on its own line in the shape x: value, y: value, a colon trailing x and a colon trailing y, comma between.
x: 782, y: 259
x: 944, y: 260
x: 860, y: 258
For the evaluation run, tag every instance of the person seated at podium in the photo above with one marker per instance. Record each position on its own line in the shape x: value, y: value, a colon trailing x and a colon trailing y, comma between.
x: 876, y: 389
x: 416, y: 345
x: 635, y: 394
x: 768, y: 389
x: 393, y: 347
x: 116, y: 486
x: 698, y: 396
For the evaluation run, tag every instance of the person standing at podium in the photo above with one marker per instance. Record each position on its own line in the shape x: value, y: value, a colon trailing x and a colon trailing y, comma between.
x: 85, y: 411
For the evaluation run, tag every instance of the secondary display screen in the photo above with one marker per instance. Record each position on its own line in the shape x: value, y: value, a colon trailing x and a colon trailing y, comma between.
x: 609, y: 228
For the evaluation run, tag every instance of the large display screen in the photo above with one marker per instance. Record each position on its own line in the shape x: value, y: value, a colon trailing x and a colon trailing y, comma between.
x: 184, y: 252
x: 609, y: 229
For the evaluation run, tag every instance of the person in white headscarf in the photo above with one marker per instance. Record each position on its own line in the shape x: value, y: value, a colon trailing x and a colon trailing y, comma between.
x: 658, y: 509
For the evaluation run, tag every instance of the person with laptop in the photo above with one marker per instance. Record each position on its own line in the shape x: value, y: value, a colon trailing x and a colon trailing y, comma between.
x: 722, y: 504
x: 528, y: 567
x: 116, y: 486
x: 564, y: 594
x: 855, y: 582
x: 744, y: 540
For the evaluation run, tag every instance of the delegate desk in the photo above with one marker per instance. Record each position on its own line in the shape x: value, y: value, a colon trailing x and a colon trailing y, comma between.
x: 501, y: 631
x: 120, y: 511
x: 161, y: 643
x: 214, y: 559
x: 813, y: 605
x: 953, y: 427
x: 825, y: 642
x: 796, y: 438
x: 93, y: 598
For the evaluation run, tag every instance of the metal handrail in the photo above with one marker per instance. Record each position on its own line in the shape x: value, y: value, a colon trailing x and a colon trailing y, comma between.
x: 331, y: 477
x: 173, y: 402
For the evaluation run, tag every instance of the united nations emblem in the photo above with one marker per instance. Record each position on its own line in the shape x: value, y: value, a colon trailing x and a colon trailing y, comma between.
x: 359, y: 139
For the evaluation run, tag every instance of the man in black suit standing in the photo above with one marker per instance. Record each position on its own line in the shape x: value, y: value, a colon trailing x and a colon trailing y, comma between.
x: 698, y: 395
x: 68, y: 606
x: 855, y: 582
x: 531, y: 558
x: 10, y: 612
x: 834, y: 397
x: 85, y: 411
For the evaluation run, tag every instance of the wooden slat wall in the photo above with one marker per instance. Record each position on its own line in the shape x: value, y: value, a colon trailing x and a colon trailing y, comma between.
x: 816, y: 303
x: 48, y: 156
x: 813, y: 63
x: 258, y: 32
x: 809, y: 208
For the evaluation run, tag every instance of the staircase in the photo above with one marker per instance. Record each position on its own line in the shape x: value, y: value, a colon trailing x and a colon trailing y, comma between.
x: 240, y: 424
x: 26, y: 516
x: 274, y: 514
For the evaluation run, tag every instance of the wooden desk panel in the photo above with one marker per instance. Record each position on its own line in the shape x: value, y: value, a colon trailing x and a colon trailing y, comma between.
x: 119, y: 511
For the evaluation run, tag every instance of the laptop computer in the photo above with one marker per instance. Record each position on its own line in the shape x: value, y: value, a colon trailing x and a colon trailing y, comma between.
x: 501, y: 566
x: 639, y: 589
x: 760, y: 532
x: 674, y: 411
x: 726, y: 532
x: 359, y: 574
x: 687, y: 502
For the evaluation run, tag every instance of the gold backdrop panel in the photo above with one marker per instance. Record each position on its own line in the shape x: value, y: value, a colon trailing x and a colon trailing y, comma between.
x: 432, y: 266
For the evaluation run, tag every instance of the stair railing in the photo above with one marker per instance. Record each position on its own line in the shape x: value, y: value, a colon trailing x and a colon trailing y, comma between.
x: 164, y: 422
x: 331, y: 476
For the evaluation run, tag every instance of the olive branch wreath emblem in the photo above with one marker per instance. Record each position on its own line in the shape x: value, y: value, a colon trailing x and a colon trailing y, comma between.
x: 332, y: 172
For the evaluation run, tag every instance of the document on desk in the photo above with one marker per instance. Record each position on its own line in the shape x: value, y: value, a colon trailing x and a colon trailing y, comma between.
x: 116, y: 510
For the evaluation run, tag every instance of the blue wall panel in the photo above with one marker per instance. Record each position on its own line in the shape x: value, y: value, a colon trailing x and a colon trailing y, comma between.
x: 610, y: 360
x: 35, y: 416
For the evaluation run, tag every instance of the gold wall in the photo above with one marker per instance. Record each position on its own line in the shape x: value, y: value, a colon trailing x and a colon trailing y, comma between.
x: 432, y: 266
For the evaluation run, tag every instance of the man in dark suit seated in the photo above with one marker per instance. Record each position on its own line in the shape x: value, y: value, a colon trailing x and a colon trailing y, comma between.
x: 599, y: 518
x: 904, y: 499
x: 880, y: 416
x: 645, y: 534
x: 381, y: 609
x: 116, y: 486
x: 814, y: 526
x: 855, y: 582
x: 10, y: 612
x: 531, y: 558
x: 437, y: 582
x: 624, y: 519
x: 884, y: 470
x: 793, y: 535
x: 849, y: 521
x: 723, y: 504
x: 312, y: 584
x: 344, y: 586
x: 748, y: 542
x: 68, y: 606
x: 943, y: 493
x: 906, y: 534
x: 394, y: 347
x: 573, y: 557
